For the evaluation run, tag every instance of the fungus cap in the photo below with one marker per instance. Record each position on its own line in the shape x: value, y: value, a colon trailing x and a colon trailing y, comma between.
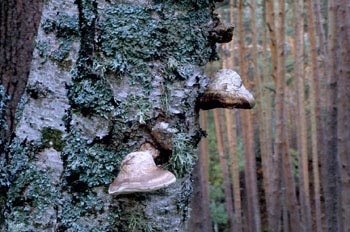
x: 226, y: 90
x: 139, y: 173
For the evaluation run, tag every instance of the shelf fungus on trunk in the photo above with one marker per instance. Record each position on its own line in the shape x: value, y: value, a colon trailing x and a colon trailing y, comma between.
x: 226, y: 90
x: 139, y: 173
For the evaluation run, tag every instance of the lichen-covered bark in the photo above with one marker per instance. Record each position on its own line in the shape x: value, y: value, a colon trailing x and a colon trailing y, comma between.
x: 105, y: 76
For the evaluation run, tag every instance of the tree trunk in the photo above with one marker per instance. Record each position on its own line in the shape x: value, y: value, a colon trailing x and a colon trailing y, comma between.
x: 236, y: 189
x: 253, y: 210
x: 19, y: 21
x: 331, y: 166
x: 265, y: 124
x: 106, y: 78
x: 200, y: 219
x: 275, y: 177
x: 224, y: 169
x: 301, y: 124
x: 314, y: 74
x: 343, y: 112
x: 261, y: 109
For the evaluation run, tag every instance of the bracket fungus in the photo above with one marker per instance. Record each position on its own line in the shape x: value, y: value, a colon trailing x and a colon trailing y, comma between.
x: 139, y: 173
x: 226, y: 90
x: 222, y: 33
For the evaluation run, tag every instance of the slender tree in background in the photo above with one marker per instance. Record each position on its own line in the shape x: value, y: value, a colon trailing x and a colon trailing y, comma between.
x: 342, y: 21
x: 231, y: 128
x: 265, y: 124
x: 331, y: 166
x: 231, y: 131
x: 224, y: 169
x: 261, y: 109
x: 301, y: 116
x: 200, y: 219
x: 313, y: 75
x: 281, y: 139
x: 253, y: 210
x: 275, y: 181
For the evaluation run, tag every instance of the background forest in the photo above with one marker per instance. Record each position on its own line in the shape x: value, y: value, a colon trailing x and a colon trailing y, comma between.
x: 283, y: 166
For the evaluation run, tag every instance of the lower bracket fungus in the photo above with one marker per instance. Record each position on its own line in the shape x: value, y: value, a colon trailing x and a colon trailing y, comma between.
x: 226, y: 90
x: 139, y: 173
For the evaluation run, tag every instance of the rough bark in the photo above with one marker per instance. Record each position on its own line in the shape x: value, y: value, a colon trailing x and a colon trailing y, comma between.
x: 103, y: 77
x: 18, y: 27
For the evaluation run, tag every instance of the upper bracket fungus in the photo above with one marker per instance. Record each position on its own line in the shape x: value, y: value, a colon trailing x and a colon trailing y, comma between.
x: 222, y: 33
x: 226, y: 90
x: 139, y: 173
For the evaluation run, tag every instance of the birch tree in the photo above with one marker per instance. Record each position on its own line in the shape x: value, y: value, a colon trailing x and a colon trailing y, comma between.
x: 105, y: 78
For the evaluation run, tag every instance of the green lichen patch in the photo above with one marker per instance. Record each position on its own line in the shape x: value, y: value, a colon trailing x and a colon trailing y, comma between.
x: 91, y: 95
x: 183, y: 155
x: 63, y: 26
x: 43, y: 48
x: 134, y: 108
x: 66, y: 29
x: 130, y: 36
x: 134, y: 32
x: 30, y: 194
x: 62, y: 52
x: 38, y: 90
x: 88, y: 165
x: 185, y: 4
x: 51, y: 137
x: 80, y: 209
x: 3, y: 99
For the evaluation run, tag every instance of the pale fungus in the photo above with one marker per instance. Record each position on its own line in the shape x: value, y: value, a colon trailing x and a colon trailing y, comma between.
x: 139, y: 173
x: 226, y: 90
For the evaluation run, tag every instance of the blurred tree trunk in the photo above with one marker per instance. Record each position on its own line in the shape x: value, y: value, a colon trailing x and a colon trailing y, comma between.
x: 231, y: 131
x: 224, y: 169
x: 104, y: 79
x: 313, y: 75
x: 231, y: 128
x: 281, y: 139
x: 331, y: 166
x: 301, y: 124
x: 343, y: 109
x: 275, y: 177
x: 266, y: 123
x: 200, y: 219
x: 261, y: 109
x: 253, y: 210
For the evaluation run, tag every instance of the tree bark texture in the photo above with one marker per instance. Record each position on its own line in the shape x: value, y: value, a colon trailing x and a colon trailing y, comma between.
x: 104, y: 76
x: 19, y: 21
